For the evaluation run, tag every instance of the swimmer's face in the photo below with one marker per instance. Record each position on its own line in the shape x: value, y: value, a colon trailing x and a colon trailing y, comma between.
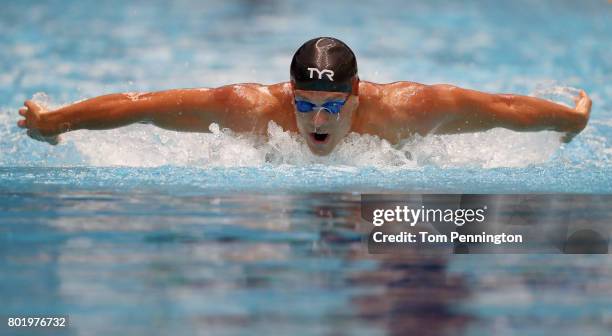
x: 321, y: 129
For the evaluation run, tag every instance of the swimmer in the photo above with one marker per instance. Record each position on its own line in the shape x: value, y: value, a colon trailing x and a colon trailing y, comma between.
x: 323, y: 101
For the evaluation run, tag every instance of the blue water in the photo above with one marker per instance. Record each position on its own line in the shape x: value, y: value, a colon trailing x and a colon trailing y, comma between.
x: 145, y: 231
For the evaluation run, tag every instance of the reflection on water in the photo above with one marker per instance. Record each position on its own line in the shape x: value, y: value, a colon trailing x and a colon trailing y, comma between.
x: 282, y: 264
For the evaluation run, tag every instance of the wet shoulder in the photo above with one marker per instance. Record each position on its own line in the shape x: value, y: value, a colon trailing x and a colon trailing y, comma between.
x: 281, y: 92
x: 274, y: 103
x: 282, y: 108
x: 398, y: 98
x: 257, y: 104
x: 404, y: 97
x: 392, y: 110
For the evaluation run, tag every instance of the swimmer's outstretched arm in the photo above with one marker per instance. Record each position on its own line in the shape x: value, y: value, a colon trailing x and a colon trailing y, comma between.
x: 461, y: 110
x: 240, y: 107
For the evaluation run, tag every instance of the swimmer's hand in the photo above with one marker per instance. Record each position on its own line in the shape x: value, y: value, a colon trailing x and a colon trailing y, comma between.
x: 583, y: 108
x: 38, y: 128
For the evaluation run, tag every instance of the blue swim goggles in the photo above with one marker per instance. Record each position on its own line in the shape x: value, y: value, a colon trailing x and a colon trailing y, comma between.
x: 332, y: 106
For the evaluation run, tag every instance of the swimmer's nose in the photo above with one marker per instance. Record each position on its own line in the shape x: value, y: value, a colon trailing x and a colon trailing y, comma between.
x: 320, y: 118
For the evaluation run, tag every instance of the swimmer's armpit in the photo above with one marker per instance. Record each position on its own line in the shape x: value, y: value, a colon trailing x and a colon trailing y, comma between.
x: 470, y: 111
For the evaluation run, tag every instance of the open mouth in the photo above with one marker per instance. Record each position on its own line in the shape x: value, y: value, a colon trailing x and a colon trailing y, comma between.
x: 319, y: 138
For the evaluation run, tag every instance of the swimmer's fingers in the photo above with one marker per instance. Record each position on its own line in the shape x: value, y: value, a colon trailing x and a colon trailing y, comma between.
x: 31, y: 112
x: 583, y: 103
x: 580, y: 95
x: 32, y: 122
x: 33, y: 107
x: 22, y: 123
x: 583, y: 109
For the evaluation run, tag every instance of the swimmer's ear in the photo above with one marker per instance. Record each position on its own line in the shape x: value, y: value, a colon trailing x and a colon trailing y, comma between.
x: 355, y: 86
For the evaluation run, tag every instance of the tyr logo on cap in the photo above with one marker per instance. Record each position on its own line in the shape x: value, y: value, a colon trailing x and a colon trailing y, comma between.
x: 330, y: 73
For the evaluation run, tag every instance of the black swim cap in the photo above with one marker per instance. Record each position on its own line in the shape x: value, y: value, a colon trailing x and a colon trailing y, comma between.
x: 324, y: 64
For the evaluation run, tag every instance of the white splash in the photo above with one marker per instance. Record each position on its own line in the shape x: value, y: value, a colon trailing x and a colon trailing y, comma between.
x: 144, y: 145
x: 549, y: 90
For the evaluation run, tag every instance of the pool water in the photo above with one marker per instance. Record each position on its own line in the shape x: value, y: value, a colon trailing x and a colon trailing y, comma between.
x: 145, y: 231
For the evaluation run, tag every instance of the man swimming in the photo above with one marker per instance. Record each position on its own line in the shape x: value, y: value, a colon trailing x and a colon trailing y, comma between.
x: 323, y: 101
